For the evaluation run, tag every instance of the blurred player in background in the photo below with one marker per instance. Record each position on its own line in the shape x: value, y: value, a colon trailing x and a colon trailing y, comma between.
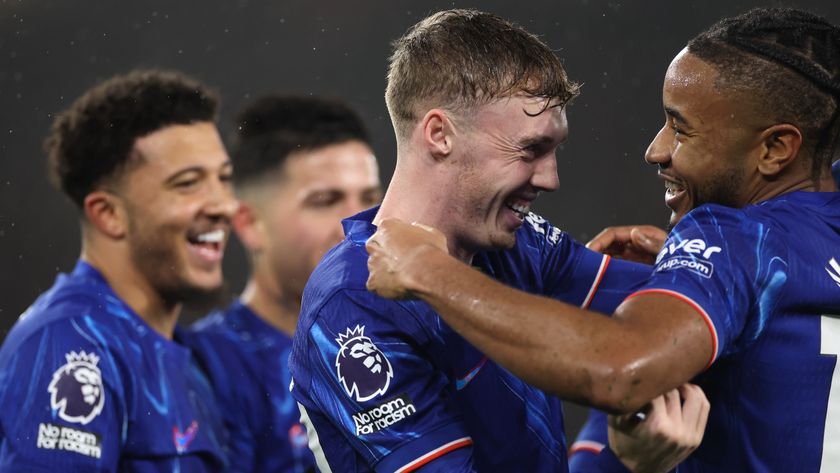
x: 93, y: 376
x: 745, y: 293
x: 302, y: 164
x: 477, y: 105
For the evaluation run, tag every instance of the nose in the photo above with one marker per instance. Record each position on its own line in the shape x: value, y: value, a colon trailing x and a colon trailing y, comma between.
x: 659, y: 150
x: 545, y: 174
x: 221, y: 202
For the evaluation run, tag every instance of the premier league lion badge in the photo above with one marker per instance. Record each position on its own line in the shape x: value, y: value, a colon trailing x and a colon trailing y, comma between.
x: 76, y: 389
x: 362, y: 368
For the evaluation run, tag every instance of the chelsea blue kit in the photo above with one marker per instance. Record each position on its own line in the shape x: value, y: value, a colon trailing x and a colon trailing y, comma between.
x: 247, y: 362
x: 766, y: 281
x: 387, y: 386
x: 87, y: 386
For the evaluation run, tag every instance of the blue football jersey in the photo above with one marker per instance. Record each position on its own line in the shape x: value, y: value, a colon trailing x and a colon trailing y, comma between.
x: 590, y: 452
x: 766, y: 280
x: 387, y: 386
x: 87, y: 386
x: 247, y: 362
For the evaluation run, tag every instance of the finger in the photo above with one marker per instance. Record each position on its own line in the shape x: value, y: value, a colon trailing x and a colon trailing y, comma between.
x: 372, y: 245
x: 655, y: 235
x: 608, y: 237
x: 424, y: 227
x: 656, y: 409
x: 439, y: 238
x: 643, y: 241
x: 673, y: 405
x: 371, y: 280
x: 695, y: 409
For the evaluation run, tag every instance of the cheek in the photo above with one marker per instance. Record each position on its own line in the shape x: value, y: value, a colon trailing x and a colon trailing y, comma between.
x: 308, y: 236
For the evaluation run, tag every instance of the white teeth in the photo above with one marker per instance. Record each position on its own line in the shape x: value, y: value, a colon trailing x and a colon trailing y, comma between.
x: 521, y: 209
x: 216, y: 236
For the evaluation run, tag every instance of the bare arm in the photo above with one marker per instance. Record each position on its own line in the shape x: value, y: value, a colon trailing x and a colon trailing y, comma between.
x: 653, y: 343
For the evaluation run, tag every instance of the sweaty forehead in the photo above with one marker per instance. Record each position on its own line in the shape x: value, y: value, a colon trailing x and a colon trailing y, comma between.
x: 687, y: 74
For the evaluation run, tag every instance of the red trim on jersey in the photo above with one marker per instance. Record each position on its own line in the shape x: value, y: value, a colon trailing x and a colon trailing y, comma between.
x: 601, y: 271
x: 586, y: 446
x: 695, y: 306
x: 436, y: 453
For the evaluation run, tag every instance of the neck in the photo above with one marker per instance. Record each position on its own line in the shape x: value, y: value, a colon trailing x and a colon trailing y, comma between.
x: 272, y: 306
x: 801, y: 182
x: 133, y: 289
x: 423, y: 201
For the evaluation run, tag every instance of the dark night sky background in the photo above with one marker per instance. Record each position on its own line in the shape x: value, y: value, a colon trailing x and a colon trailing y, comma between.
x: 51, y: 51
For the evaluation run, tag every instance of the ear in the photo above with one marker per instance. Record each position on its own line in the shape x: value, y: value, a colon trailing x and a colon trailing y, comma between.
x: 780, y: 147
x: 248, y: 227
x: 106, y: 213
x: 438, y: 133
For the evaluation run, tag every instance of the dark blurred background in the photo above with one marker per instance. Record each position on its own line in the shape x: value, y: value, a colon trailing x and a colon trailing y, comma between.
x: 51, y: 51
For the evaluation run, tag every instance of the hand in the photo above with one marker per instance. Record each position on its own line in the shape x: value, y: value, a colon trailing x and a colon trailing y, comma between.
x: 672, y: 428
x: 395, y: 251
x: 639, y: 243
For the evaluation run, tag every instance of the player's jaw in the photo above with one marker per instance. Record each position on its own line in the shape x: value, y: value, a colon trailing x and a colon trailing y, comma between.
x: 181, y: 261
x: 678, y: 197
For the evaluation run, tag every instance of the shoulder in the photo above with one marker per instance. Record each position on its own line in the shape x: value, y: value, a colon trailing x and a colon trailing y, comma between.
x: 68, y: 315
x: 711, y: 229
x: 343, y: 268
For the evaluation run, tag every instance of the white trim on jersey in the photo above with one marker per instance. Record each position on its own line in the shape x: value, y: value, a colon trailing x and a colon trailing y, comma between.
x: 443, y: 449
x: 710, y: 324
x: 314, y: 441
x: 600, y: 275
x: 586, y: 446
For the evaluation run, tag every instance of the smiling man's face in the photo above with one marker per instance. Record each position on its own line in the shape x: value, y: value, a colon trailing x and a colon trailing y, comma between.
x: 179, y: 203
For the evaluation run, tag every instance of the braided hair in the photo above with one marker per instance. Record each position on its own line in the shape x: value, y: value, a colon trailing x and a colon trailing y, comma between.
x: 787, y: 63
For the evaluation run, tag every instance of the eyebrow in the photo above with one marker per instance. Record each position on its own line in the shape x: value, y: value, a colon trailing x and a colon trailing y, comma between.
x: 677, y: 116
x: 198, y: 169
x: 535, y: 141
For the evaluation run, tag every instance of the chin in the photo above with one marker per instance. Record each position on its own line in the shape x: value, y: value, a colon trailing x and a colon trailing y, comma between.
x: 676, y: 216
x: 504, y: 241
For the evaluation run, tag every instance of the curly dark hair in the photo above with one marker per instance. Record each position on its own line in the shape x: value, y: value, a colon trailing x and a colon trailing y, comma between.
x: 787, y: 61
x: 275, y: 126
x: 90, y: 142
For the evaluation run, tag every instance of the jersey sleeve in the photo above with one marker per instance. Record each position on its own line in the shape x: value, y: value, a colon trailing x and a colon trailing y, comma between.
x: 730, y: 268
x: 574, y: 274
x: 374, y: 385
x: 591, y: 453
x: 62, y: 402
